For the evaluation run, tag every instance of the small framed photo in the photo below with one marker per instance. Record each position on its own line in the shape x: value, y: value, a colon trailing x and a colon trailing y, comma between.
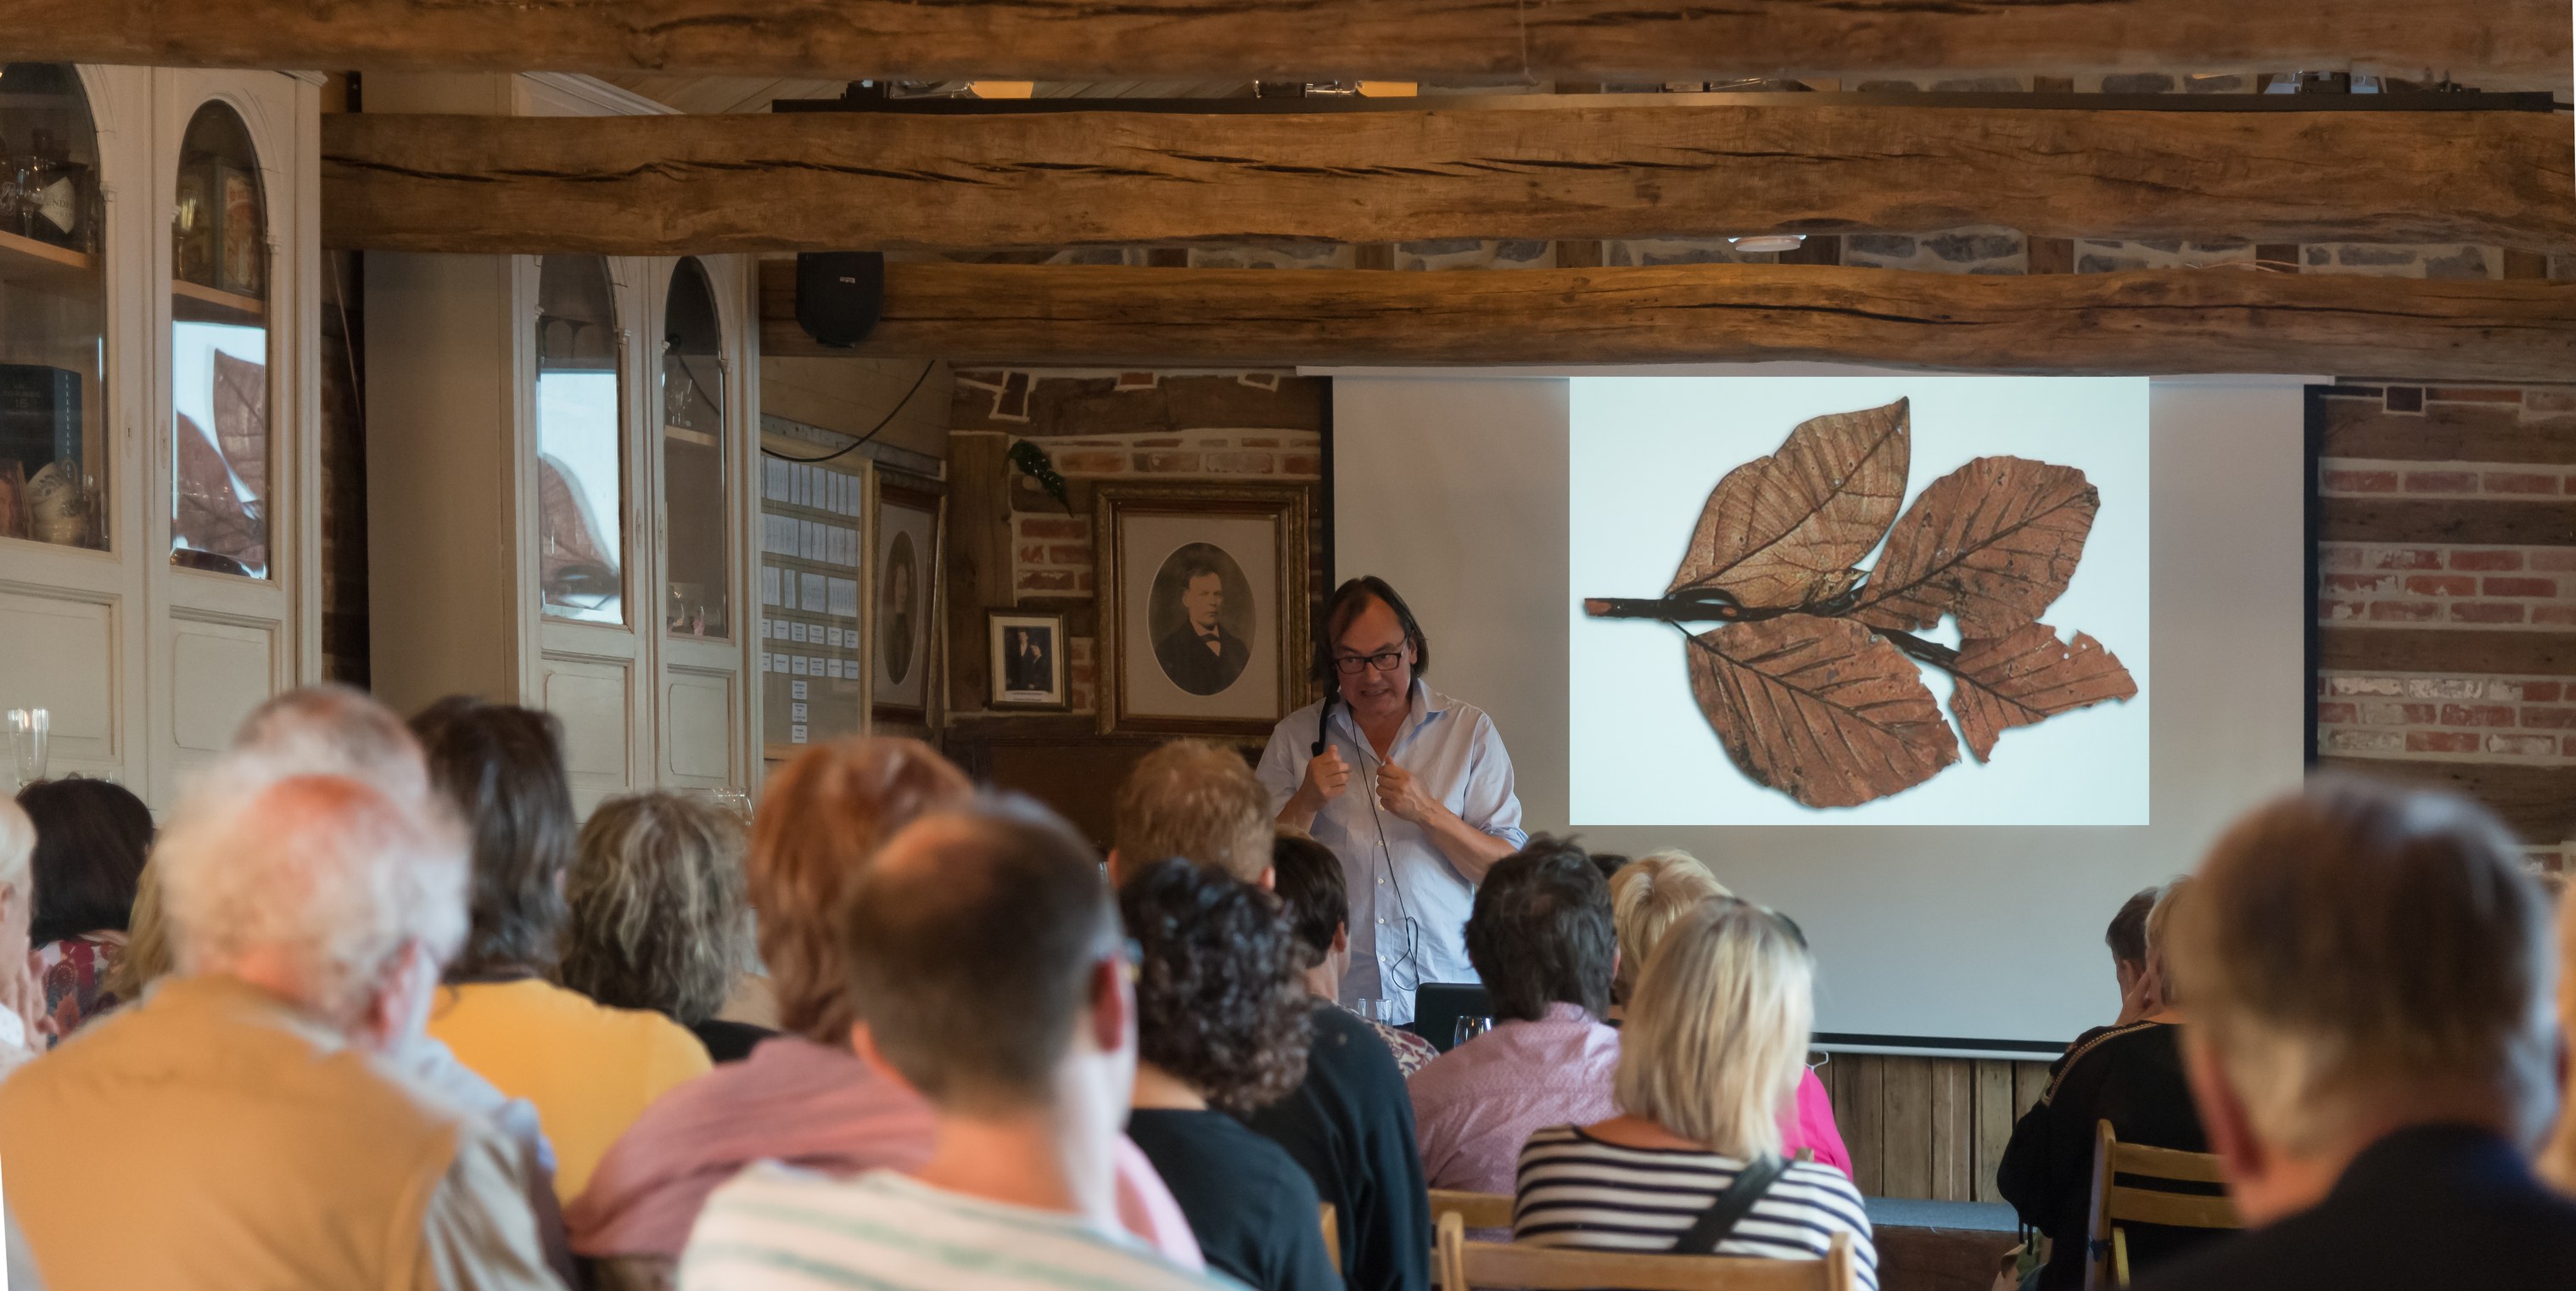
x: 1028, y: 659
x: 1203, y: 606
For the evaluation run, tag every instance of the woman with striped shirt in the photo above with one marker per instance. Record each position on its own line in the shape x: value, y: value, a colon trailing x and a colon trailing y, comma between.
x: 1717, y: 1032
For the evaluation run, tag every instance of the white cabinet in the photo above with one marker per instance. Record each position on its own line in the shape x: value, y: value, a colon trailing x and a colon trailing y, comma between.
x: 559, y: 456
x: 159, y: 525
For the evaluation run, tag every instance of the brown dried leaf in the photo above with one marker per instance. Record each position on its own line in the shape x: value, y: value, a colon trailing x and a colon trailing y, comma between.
x: 1993, y: 542
x: 1819, y: 709
x: 2028, y: 676
x: 1785, y: 530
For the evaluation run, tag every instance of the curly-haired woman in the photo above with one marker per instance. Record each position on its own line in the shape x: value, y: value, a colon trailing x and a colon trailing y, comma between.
x: 656, y: 898
x: 1222, y: 1027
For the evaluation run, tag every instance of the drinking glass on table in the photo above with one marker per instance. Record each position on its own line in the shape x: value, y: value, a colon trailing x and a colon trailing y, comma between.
x: 1371, y: 1009
x: 1468, y: 1029
x: 28, y: 729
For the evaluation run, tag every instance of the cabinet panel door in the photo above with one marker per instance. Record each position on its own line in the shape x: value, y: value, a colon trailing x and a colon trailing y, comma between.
x: 593, y: 698
x: 63, y: 658
x: 699, y: 727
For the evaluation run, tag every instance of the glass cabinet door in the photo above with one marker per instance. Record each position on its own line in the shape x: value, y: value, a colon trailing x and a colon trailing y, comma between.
x: 219, y: 343
x: 697, y: 554
x: 54, y: 450
x: 581, y: 567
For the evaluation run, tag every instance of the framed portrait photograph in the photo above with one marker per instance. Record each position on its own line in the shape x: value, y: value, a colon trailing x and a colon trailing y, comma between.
x: 1027, y: 652
x: 903, y: 584
x: 1203, y: 606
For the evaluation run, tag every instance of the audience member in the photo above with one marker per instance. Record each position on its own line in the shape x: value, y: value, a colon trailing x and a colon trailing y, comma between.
x: 240, y: 1115
x: 803, y: 1097
x: 2368, y: 973
x: 25, y: 1027
x: 985, y: 967
x: 1646, y: 898
x: 91, y: 837
x: 1221, y: 1028
x: 656, y: 900
x: 589, y: 1069
x: 2127, y: 940
x: 1350, y: 1122
x: 1308, y: 878
x: 1712, y: 1051
x: 1196, y: 801
x: 1541, y: 939
x: 2130, y: 1074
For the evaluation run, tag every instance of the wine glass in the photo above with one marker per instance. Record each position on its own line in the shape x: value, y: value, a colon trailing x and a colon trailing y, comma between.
x: 1468, y: 1029
x: 28, y: 728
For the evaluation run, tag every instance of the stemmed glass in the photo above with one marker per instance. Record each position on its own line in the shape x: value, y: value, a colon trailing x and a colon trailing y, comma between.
x: 1468, y: 1029
x: 28, y: 728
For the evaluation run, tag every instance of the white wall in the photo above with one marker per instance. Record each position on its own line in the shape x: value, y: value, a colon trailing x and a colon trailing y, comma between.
x: 1452, y: 486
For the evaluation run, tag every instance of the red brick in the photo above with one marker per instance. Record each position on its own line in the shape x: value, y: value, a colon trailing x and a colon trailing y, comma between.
x: 1043, y: 527
x: 1167, y: 463
x: 2567, y: 746
x: 2485, y: 612
x: 1302, y: 464
x: 2554, y: 559
x: 2520, y: 482
x: 2441, y: 482
x: 2521, y: 587
x: 2533, y: 746
x: 2443, y: 742
x: 1032, y: 555
x: 2486, y: 560
x: 2540, y: 692
x: 2404, y: 611
x: 1092, y: 463
x: 2340, y: 713
x: 2473, y: 394
x: 2361, y: 481
x: 2408, y: 558
x: 1239, y: 463
x: 2557, y: 717
x: 1082, y: 581
x: 1260, y: 441
x: 2351, y: 741
x: 2559, y: 615
x: 2441, y: 585
x: 2384, y: 714
x: 1069, y: 554
x: 2477, y: 715
x: 1046, y: 580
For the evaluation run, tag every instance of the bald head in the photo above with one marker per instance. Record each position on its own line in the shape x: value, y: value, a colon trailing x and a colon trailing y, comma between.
x: 971, y: 945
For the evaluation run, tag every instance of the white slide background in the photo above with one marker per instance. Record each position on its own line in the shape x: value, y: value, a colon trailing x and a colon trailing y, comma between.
x: 1644, y: 452
x: 1453, y: 486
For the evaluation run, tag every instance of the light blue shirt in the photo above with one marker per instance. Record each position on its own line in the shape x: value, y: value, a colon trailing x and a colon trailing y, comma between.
x: 1409, y: 905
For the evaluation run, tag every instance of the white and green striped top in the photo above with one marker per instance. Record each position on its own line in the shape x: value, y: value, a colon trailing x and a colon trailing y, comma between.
x: 780, y: 1229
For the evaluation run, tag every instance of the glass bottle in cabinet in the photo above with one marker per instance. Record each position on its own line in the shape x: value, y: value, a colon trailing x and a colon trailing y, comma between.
x: 54, y: 450
x: 581, y: 567
x: 219, y: 342
x: 696, y: 552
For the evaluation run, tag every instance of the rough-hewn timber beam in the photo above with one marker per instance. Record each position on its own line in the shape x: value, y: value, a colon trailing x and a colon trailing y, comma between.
x: 2498, y: 42
x: 2209, y: 320
x: 663, y: 185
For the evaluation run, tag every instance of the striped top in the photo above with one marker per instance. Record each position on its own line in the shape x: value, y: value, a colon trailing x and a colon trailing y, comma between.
x: 776, y: 1228
x: 1576, y: 1190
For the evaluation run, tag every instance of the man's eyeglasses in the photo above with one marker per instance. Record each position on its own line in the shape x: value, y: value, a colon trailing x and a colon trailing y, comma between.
x: 1352, y: 665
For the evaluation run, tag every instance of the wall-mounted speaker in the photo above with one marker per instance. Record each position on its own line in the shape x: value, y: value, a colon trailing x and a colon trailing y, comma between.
x: 839, y: 295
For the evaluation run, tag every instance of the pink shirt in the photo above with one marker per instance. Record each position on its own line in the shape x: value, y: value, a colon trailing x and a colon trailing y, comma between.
x: 808, y: 1105
x: 1478, y: 1104
x: 1810, y: 1124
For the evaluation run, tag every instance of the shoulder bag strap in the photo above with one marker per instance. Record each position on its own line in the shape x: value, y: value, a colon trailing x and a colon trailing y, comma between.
x: 1730, y: 1208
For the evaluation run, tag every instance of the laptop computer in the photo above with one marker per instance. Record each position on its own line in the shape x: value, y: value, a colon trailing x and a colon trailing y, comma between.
x: 1437, y: 1006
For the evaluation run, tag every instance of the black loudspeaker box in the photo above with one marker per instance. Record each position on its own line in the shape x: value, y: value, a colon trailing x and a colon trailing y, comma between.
x: 839, y: 295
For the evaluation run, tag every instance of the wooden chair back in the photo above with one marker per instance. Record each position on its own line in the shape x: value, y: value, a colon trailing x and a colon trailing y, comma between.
x: 1332, y: 1235
x: 2106, y: 1243
x: 1479, y: 1209
x: 1462, y: 1264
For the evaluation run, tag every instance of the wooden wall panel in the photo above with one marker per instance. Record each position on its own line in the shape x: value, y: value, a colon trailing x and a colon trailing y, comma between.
x: 1928, y: 1127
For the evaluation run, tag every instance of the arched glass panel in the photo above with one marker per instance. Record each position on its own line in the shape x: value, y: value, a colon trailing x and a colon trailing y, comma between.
x: 581, y: 552
x: 54, y: 453
x: 220, y: 501
x: 693, y: 459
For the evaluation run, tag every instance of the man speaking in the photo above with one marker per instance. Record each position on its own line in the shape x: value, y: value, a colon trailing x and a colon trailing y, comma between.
x: 1410, y: 788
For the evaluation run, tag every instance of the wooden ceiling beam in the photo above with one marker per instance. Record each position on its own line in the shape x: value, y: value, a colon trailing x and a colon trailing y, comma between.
x: 664, y: 185
x: 2503, y: 44
x: 2170, y: 321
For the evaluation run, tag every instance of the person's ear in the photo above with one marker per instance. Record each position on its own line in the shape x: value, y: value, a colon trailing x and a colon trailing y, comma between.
x: 1113, y: 1006
x: 865, y: 1046
x: 1117, y: 875
x: 2241, y: 1155
x: 1269, y: 880
x: 1341, y: 939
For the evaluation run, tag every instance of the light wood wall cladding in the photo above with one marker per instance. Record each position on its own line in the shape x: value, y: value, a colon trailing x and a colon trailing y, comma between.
x: 678, y: 185
x: 2537, y: 801
x: 1929, y: 1127
x: 2523, y: 41
x: 2209, y: 320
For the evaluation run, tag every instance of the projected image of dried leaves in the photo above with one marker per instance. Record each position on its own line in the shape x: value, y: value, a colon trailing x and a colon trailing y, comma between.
x: 1813, y: 677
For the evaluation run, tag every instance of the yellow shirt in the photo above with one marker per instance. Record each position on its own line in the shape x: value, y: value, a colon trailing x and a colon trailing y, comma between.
x: 589, y: 1069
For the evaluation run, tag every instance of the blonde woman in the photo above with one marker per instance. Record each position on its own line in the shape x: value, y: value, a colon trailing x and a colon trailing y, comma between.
x: 1716, y: 1038
x: 656, y: 898
x: 1647, y: 897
